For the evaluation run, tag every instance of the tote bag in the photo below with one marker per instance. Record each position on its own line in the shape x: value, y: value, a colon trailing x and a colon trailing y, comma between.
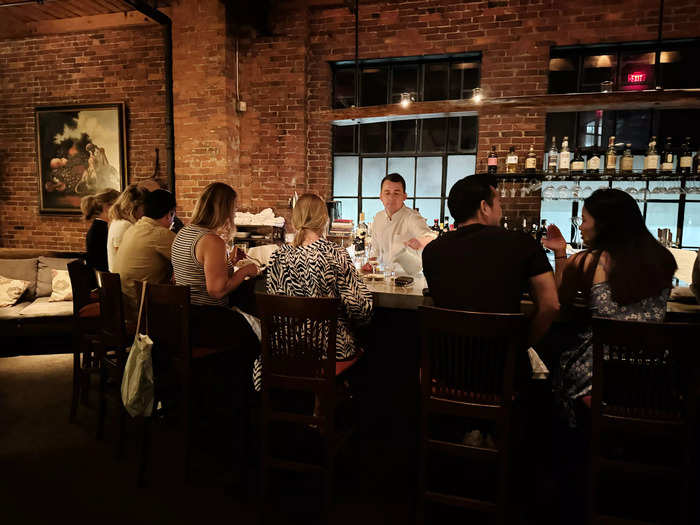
x: 137, y: 383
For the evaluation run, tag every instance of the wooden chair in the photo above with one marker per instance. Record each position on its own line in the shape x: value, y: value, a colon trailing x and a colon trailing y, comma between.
x: 167, y: 321
x: 645, y: 383
x: 86, y: 324
x: 468, y: 362
x: 116, y: 335
x: 298, y: 355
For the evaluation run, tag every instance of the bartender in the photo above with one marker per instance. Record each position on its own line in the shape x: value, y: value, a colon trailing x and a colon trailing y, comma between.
x: 397, y: 226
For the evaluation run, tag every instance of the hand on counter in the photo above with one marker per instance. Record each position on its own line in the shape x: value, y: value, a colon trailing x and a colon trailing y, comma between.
x: 249, y: 270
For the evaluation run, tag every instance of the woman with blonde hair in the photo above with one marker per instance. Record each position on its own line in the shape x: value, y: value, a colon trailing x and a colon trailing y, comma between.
x: 96, y: 208
x: 315, y: 267
x: 200, y: 261
x: 125, y: 211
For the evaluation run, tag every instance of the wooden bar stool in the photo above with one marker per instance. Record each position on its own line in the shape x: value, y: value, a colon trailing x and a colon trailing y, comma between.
x: 645, y: 383
x: 468, y: 371
x: 298, y: 355
x: 86, y: 325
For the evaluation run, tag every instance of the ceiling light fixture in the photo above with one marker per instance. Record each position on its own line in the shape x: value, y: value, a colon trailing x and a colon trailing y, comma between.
x: 477, y: 95
x: 406, y: 100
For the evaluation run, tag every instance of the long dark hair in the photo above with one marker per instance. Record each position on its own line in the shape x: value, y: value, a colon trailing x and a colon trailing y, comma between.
x: 640, y: 266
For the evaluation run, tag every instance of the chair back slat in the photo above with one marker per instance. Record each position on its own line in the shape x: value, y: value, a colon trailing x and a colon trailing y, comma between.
x: 112, y: 324
x: 298, y: 336
x: 82, y: 280
x: 641, y: 370
x: 469, y: 356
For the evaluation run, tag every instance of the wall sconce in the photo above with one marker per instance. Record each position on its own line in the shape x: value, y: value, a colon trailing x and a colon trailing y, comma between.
x: 406, y: 100
x: 477, y: 95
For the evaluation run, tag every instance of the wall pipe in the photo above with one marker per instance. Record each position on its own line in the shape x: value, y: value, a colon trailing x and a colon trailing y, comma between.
x: 164, y: 20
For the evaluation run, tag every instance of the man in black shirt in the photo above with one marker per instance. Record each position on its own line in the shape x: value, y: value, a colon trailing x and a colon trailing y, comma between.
x: 482, y: 267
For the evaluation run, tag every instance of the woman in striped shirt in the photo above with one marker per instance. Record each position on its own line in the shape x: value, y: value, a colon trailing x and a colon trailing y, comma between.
x: 201, y: 262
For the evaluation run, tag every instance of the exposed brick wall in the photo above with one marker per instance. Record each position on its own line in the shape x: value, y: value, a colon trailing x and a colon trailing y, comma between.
x: 81, y: 68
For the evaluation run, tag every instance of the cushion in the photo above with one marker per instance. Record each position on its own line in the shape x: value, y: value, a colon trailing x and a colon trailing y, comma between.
x: 13, y: 312
x: 44, y: 277
x: 23, y: 269
x: 11, y: 290
x: 60, y: 286
x: 42, y: 307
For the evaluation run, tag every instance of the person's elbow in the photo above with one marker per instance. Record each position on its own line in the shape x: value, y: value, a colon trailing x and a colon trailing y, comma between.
x: 216, y: 290
x: 549, y: 307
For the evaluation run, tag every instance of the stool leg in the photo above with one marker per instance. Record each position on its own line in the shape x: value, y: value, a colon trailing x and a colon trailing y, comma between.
x: 102, y: 404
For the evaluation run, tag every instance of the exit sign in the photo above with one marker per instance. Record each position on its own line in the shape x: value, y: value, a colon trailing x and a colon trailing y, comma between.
x: 638, y: 77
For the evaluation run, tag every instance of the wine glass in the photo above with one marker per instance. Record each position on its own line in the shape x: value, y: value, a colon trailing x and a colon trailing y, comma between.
x: 548, y: 191
x: 632, y: 192
x: 563, y: 192
x: 586, y: 192
x: 576, y: 222
x: 576, y: 191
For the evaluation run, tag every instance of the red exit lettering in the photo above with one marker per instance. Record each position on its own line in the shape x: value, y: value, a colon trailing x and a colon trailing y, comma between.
x: 636, y: 77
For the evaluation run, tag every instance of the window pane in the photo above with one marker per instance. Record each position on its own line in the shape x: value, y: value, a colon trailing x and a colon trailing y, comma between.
x: 373, y: 137
x: 563, y: 75
x: 349, y: 209
x: 406, y: 167
x: 560, y: 125
x: 434, y: 134
x: 634, y: 188
x: 371, y: 207
x: 404, y: 80
x: 455, y: 81
x: 680, y: 67
x: 590, y: 129
x: 435, y: 86
x: 344, y: 139
x: 458, y: 167
x: 345, y: 175
x: 429, y: 177
x: 373, y: 171
x: 429, y: 209
x: 344, y: 88
x: 470, y: 79
x: 634, y: 127
x: 679, y: 123
x: 374, y: 86
x: 403, y: 135
x: 637, y: 71
x: 557, y: 212
x: 691, y: 225
x: 597, y: 69
x: 470, y: 127
x: 662, y: 215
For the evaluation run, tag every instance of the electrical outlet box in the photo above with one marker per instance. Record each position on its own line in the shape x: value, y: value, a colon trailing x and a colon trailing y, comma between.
x: 241, y: 106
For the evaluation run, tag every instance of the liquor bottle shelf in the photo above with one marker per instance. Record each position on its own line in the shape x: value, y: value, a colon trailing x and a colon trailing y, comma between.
x: 575, y: 177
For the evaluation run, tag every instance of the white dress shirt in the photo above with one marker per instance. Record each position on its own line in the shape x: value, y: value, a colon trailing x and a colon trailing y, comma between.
x: 390, y: 234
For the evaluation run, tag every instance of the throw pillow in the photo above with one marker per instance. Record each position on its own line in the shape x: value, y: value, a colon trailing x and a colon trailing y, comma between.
x: 60, y: 286
x: 11, y: 290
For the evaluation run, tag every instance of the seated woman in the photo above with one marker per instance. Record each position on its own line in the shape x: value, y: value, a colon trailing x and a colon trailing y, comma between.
x: 625, y: 274
x: 125, y: 211
x: 96, y: 208
x: 314, y: 267
x: 200, y: 261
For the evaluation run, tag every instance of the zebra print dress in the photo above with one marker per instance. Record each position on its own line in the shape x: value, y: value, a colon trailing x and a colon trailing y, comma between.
x: 321, y: 269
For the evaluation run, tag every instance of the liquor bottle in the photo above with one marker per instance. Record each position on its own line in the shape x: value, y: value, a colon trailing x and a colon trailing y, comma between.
x: 577, y: 164
x: 534, y: 230
x: 531, y: 161
x: 492, y: 161
x: 685, y: 160
x: 593, y: 165
x: 435, y: 226
x: 440, y: 230
x: 446, y: 228
x: 611, y: 157
x: 696, y: 164
x: 667, y: 157
x: 512, y: 161
x: 553, y: 157
x: 564, y: 156
x: 651, y: 159
x: 523, y: 227
x: 505, y: 222
x: 360, y: 236
x: 627, y: 160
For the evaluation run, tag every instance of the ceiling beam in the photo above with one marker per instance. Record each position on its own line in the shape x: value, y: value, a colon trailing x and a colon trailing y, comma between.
x: 78, y: 24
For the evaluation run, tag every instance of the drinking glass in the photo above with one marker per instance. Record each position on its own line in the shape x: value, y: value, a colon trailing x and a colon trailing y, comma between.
x: 586, y: 192
x: 548, y: 192
x: 658, y: 190
x: 632, y: 192
x: 576, y: 191
x: 563, y: 192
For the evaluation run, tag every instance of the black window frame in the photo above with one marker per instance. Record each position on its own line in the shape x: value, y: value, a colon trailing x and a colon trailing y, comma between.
x: 420, y: 62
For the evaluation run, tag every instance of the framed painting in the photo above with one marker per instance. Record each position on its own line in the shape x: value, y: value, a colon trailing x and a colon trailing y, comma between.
x: 81, y: 150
